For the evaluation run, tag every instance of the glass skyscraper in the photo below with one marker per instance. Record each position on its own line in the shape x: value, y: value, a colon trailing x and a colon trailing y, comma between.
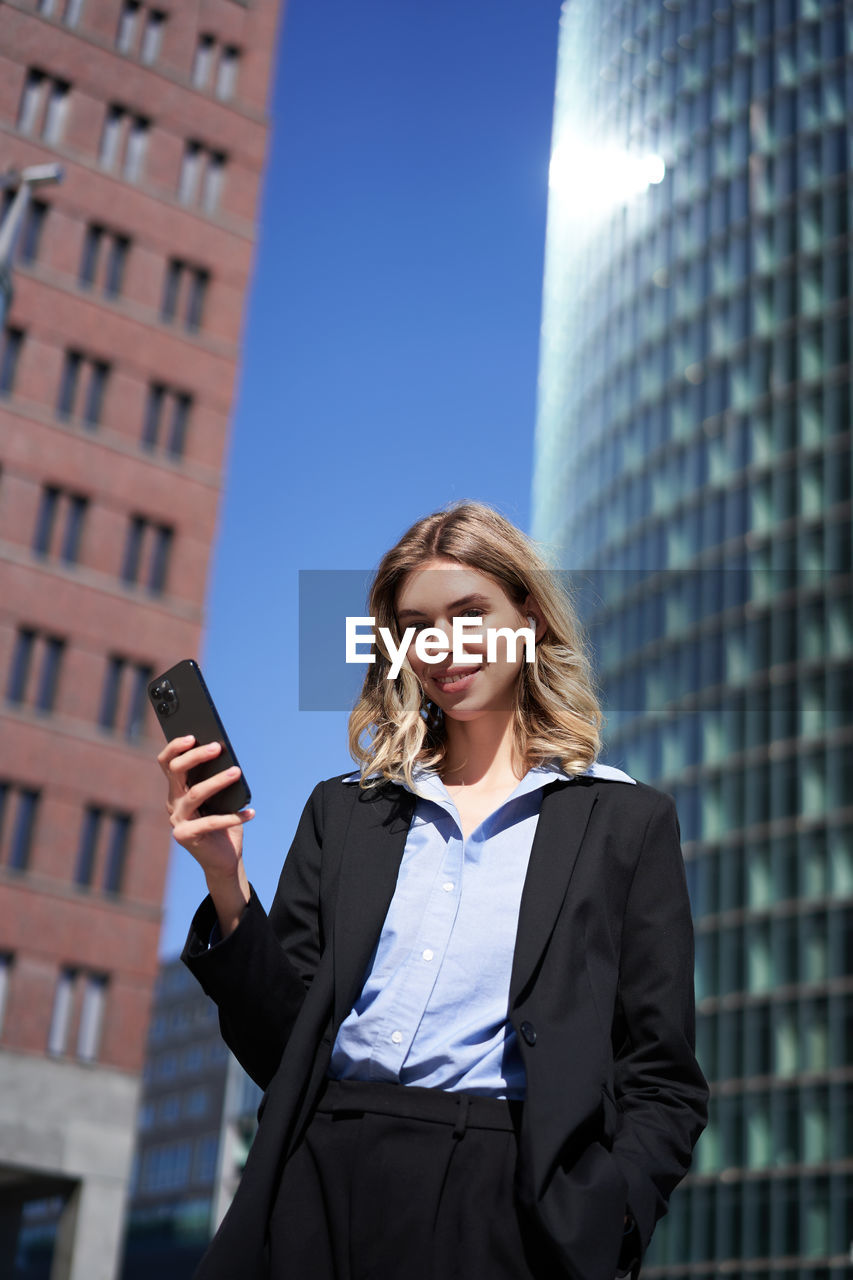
x: 693, y: 475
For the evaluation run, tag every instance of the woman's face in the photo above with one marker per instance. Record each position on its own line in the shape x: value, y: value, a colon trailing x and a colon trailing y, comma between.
x: 431, y: 596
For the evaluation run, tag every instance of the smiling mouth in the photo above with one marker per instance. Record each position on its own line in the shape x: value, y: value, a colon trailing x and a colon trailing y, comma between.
x: 454, y: 678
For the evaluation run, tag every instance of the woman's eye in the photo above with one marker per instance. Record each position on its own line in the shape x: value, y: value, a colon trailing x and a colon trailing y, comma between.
x: 473, y: 612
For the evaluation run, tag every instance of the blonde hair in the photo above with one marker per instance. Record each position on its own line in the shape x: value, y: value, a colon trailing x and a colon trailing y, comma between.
x: 556, y: 713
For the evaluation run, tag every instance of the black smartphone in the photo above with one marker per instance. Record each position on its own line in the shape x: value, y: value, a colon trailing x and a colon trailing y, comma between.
x: 183, y: 705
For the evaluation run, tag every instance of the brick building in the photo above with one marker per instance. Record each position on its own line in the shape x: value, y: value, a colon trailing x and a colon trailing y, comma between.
x: 117, y: 366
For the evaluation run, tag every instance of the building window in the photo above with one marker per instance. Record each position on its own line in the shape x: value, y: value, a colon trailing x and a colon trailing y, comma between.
x: 79, y: 370
x: 44, y: 106
x: 89, y: 833
x: 201, y: 177
x: 56, y: 113
x: 124, y: 143
x: 118, y: 842
x: 29, y: 238
x: 68, y: 384
x: 159, y: 559
x: 91, y: 253
x: 193, y: 1059
x: 124, y: 696
x: 196, y: 1103
x: 166, y: 1168
x: 153, y: 415
x: 91, y: 1016
x: 133, y: 550
x: 34, y: 671
x: 197, y: 293
x: 19, y: 671
x: 75, y: 515
x: 137, y: 145
x: 152, y: 36
x: 18, y: 813
x: 90, y: 989
x: 94, y: 401
x: 104, y: 260
x: 226, y: 60
x: 32, y: 97
x: 60, y: 1021
x: 108, y: 832
x: 127, y: 26
x: 184, y: 293
x: 108, y: 715
x: 212, y: 183
x: 69, y: 10
x: 190, y: 175
x: 146, y: 554
x: 166, y: 418
x: 11, y: 341
x: 203, y: 62
x: 53, y: 649
x: 169, y: 1109
x: 226, y: 72
x: 206, y: 1153
x: 166, y: 1067
x: 171, y: 289
x: 32, y: 230
x: 111, y: 137
x: 59, y: 524
x: 6, y: 962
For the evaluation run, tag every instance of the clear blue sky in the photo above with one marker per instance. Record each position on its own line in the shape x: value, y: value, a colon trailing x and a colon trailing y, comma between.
x: 390, y: 348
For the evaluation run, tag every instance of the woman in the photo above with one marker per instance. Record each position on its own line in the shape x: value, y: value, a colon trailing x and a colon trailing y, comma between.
x: 471, y: 1004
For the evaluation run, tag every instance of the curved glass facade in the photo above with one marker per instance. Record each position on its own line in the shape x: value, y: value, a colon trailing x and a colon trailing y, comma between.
x: 693, y: 474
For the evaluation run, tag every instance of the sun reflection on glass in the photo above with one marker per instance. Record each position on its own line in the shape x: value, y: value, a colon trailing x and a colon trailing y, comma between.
x: 598, y: 179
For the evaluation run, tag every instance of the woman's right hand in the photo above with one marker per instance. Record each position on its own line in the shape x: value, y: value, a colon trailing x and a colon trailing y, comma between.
x: 214, y: 840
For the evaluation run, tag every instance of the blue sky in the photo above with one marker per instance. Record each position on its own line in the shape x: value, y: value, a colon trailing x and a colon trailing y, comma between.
x: 390, y: 346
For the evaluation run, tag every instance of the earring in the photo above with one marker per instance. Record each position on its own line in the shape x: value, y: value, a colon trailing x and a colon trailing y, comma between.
x: 532, y: 621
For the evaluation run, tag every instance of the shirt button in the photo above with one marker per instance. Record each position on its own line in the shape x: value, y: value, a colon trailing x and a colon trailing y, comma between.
x: 448, y: 886
x: 397, y: 1037
x: 427, y: 954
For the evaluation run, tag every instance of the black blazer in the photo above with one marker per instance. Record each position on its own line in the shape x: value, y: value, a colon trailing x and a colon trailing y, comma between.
x: 601, y: 998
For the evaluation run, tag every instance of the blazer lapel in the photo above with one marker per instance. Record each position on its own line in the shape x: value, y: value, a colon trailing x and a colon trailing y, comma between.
x: 563, y: 819
x: 375, y: 841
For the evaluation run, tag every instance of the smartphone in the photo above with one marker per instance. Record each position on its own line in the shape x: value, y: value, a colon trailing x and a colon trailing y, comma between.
x: 183, y: 705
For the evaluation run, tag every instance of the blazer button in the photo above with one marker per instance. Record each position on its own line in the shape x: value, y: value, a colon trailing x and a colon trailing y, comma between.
x: 529, y: 1032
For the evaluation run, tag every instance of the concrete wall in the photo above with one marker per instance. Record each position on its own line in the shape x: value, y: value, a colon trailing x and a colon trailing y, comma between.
x: 63, y: 1121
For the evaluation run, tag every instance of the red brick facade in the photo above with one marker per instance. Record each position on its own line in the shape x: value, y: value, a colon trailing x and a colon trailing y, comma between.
x: 109, y: 597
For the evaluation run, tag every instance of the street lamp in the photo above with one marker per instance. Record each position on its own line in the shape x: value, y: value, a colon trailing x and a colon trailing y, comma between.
x: 25, y: 179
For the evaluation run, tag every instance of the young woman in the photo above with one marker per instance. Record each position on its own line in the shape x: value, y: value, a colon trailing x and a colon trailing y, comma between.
x: 471, y: 1003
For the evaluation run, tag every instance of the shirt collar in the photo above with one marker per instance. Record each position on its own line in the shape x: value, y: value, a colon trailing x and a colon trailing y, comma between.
x: 428, y: 785
x: 540, y: 774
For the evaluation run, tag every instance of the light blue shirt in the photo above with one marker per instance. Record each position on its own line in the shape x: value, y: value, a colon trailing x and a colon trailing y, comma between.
x: 434, y: 1007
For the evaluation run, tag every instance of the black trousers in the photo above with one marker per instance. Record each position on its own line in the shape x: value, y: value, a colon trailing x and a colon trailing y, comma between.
x: 392, y: 1182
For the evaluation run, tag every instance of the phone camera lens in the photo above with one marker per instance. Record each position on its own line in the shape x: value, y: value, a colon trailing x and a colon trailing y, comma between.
x: 163, y: 708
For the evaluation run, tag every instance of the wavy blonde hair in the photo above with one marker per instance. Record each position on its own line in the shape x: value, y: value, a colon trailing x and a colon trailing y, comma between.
x: 556, y: 712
